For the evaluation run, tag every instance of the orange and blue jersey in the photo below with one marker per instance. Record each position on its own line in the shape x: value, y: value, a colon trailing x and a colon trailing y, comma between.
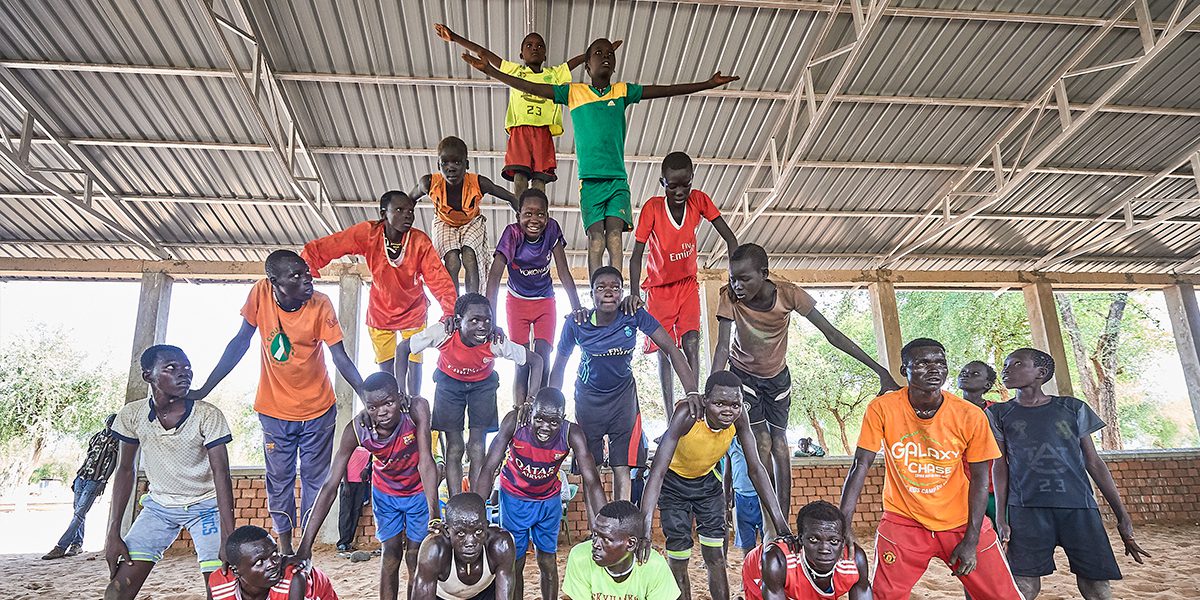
x: 394, y: 458
x: 531, y: 470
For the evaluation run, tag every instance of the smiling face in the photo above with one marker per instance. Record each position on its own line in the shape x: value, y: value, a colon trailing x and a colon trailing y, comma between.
x: 381, y: 407
x: 974, y: 377
x: 823, y: 543
x: 746, y: 279
x: 171, y: 375
x: 926, y: 368
x: 610, y: 544
x: 475, y: 324
x: 261, y: 566
x: 546, y: 421
x: 293, y: 281
x: 399, y: 215
x: 677, y: 185
x: 453, y: 165
x: 533, y: 50
x: 534, y: 217
x: 607, y: 290
x: 723, y: 406
x: 600, y: 59
x: 1019, y: 371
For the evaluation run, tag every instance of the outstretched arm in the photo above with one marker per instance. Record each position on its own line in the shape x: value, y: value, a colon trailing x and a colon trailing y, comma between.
x: 759, y: 476
x: 329, y: 491
x: 499, y: 264
x: 234, y: 352
x: 447, y: 34
x: 677, y: 428
x: 1104, y: 480
x: 720, y: 359
x: 491, y: 463
x: 488, y: 187
x: 855, y: 478
x: 346, y: 367
x: 726, y: 234
x: 567, y: 281
x: 682, y: 89
x: 839, y: 340
x: 593, y: 489
x: 419, y: 410
x: 544, y: 90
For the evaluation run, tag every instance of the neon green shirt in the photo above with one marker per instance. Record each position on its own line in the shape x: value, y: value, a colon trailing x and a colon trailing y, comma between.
x: 527, y: 109
x: 599, y: 120
x: 585, y: 580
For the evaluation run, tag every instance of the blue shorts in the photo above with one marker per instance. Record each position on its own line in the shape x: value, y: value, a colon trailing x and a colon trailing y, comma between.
x: 522, y: 517
x: 157, y: 526
x: 748, y: 521
x: 396, y: 514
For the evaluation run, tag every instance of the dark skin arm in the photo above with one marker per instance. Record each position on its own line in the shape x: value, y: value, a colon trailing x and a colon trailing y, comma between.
x: 852, y: 489
x: 422, y: 187
x: 774, y: 574
x: 534, y: 361
x: 543, y: 90
x: 634, y: 300
x: 115, y: 551
x: 862, y: 589
x: 680, y: 424
x: 233, y: 354
x: 218, y: 461
x: 492, y: 289
x: 650, y: 92
x: 432, y: 560
x: 447, y: 34
x: 726, y: 234
x: 486, y: 186
x: 495, y: 455
x: 299, y: 586
x: 965, y: 555
x: 559, y: 370
x: 1000, y: 485
x: 758, y: 475
x: 679, y: 363
x: 568, y: 283
x: 346, y: 367
x: 502, y: 556
x: 720, y: 360
x: 426, y: 468
x: 593, y: 489
x: 1104, y: 480
x: 329, y: 491
x: 839, y: 340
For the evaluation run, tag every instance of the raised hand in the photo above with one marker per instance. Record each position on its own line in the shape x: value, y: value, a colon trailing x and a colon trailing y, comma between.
x: 443, y: 32
x: 719, y: 79
x: 478, y: 62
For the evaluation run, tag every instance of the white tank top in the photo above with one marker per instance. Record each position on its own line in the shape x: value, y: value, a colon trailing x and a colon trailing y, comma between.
x: 454, y: 589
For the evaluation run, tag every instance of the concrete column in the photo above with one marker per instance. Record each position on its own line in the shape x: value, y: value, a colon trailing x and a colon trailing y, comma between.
x: 1046, y: 331
x: 150, y: 328
x: 710, y: 296
x: 885, y: 314
x: 350, y: 286
x: 1185, y: 324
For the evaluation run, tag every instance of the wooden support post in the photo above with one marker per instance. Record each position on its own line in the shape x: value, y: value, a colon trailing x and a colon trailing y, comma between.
x: 1046, y: 331
x: 150, y: 328
x: 1185, y: 324
x: 886, y: 316
x: 710, y: 294
x: 350, y: 287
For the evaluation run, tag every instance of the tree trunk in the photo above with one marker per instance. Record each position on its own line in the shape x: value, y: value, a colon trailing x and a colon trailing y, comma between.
x: 1091, y: 391
x: 816, y: 425
x: 841, y: 422
x: 1104, y: 361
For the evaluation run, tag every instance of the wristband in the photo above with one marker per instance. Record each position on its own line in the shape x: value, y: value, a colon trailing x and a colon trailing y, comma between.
x: 436, y: 521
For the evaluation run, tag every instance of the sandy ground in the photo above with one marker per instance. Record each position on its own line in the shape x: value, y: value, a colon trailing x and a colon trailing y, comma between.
x: 1173, y: 574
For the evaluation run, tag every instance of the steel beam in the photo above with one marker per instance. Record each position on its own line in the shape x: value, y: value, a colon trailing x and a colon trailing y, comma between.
x: 1030, y: 119
x: 278, y: 120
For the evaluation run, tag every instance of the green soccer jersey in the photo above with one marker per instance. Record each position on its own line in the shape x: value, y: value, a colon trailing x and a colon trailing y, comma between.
x: 599, y: 120
x: 585, y: 580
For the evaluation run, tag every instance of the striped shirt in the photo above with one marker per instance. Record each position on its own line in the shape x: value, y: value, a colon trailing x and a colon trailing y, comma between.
x: 225, y: 586
x: 396, y: 457
x: 799, y: 585
x: 531, y: 469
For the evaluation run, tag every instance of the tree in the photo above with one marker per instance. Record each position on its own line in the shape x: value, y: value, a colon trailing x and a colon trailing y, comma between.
x: 47, y: 394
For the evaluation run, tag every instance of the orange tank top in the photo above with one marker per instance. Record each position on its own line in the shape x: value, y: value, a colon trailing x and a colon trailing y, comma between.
x: 455, y: 216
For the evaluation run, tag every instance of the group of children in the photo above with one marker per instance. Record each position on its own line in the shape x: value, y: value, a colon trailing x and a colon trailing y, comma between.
x: 934, y: 441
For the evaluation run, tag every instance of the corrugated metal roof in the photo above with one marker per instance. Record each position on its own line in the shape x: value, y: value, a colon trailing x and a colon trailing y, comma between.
x: 928, y: 95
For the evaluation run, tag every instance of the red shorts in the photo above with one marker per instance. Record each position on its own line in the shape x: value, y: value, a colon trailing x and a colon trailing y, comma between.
x: 531, y: 152
x: 676, y: 306
x: 903, y: 549
x: 522, y: 313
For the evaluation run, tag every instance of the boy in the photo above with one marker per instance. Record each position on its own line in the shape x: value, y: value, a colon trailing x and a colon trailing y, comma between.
x: 974, y: 380
x: 931, y: 507
x: 258, y: 572
x: 531, y: 122
x: 683, y: 471
x: 181, y: 447
x: 525, y: 249
x: 295, y: 402
x: 754, y: 315
x: 741, y: 497
x: 828, y: 566
x: 598, y: 113
x: 89, y: 484
x: 606, y: 401
x: 605, y: 567
x: 459, y: 228
x: 403, y: 263
x: 469, y: 560
x: 403, y: 482
x: 467, y: 381
x: 353, y: 494
x: 1043, y: 498
x: 668, y: 225
x: 533, y: 453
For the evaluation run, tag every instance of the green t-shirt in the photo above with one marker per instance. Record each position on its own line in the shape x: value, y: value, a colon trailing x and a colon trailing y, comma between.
x: 585, y: 580
x: 599, y: 120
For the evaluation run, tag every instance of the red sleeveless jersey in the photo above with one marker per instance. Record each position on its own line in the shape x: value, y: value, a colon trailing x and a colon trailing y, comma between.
x: 798, y: 586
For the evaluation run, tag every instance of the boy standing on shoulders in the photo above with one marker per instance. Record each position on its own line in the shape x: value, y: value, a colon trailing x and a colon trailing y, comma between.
x: 754, y: 315
x: 605, y: 567
x: 667, y: 224
x: 598, y: 114
x: 1043, y: 497
x: 403, y: 483
x: 533, y: 454
x: 403, y: 264
x: 459, y: 227
x: 683, y: 471
x: 295, y: 401
x: 828, y: 565
x: 182, y: 451
x: 931, y: 507
x: 257, y: 572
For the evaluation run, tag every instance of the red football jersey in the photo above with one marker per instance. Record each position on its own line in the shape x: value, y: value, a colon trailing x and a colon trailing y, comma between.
x: 798, y: 586
x: 225, y: 586
x: 671, y: 245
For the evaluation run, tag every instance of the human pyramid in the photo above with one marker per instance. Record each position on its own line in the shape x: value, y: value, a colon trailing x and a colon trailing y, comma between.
x: 938, y: 447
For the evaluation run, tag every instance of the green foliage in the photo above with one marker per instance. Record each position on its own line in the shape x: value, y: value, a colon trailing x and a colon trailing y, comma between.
x: 1144, y: 426
x: 971, y: 325
x: 53, y: 470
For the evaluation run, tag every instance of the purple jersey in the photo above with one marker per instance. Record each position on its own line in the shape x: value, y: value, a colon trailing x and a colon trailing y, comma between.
x: 531, y: 470
x: 395, y: 458
x: 529, y: 262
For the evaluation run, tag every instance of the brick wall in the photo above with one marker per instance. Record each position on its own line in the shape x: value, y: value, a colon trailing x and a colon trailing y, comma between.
x: 1156, y: 486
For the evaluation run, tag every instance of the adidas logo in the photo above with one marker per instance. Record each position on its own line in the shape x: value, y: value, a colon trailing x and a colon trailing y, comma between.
x: 611, y: 103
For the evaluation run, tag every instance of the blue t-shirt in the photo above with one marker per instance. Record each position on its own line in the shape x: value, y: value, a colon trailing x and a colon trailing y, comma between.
x: 606, y: 352
x: 1041, y: 443
x: 529, y: 262
x: 741, y: 475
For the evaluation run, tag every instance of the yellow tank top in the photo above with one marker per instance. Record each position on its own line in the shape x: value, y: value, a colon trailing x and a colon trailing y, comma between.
x: 700, y: 449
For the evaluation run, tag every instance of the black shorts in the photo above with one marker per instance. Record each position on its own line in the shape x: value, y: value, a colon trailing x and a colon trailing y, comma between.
x: 769, y: 400
x: 615, y: 416
x: 453, y: 399
x: 683, y: 500
x: 1080, y: 531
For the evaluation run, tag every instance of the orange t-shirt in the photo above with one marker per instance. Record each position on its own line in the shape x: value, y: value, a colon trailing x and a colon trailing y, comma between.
x: 294, y: 385
x: 469, y: 202
x: 925, y: 479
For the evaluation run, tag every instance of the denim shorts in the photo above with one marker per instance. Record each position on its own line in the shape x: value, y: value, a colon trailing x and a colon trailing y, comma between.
x: 157, y: 526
